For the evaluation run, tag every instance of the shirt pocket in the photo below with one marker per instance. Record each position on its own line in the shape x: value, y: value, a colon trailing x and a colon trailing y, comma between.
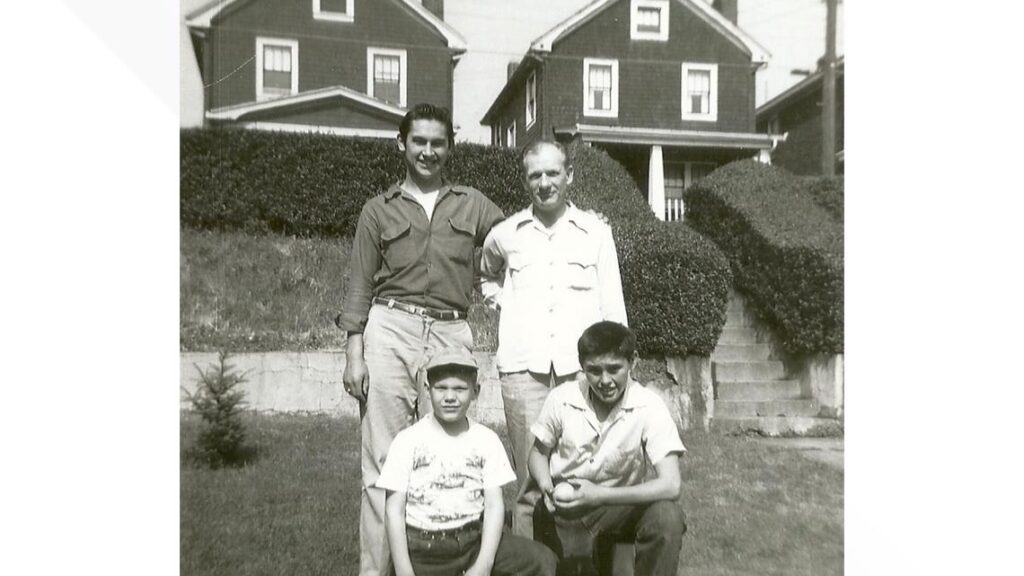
x: 524, y: 272
x: 459, y: 243
x: 397, y: 247
x: 581, y: 269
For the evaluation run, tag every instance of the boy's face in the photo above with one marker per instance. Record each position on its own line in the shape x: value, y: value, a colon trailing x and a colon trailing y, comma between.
x: 425, y: 149
x: 451, y: 397
x: 607, y: 376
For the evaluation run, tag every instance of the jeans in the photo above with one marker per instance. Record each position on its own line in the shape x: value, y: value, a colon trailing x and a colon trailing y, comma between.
x: 453, y: 554
x: 523, y: 394
x: 584, y: 542
x: 395, y: 346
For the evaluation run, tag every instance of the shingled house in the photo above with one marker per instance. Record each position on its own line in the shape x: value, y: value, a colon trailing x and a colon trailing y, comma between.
x: 666, y: 87
x: 347, y: 67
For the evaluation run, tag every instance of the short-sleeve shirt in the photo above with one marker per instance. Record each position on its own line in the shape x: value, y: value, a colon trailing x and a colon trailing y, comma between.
x: 443, y: 476
x: 622, y: 451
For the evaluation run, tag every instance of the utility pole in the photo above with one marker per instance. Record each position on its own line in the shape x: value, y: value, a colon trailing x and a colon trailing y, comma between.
x: 828, y: 93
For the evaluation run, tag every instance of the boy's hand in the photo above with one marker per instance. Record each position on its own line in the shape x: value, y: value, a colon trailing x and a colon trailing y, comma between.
x: 549, y: 501
x: 586, y: 494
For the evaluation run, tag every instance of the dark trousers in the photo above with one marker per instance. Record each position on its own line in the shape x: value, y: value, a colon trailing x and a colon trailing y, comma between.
x: 451, y: 554
x: 584, y: 542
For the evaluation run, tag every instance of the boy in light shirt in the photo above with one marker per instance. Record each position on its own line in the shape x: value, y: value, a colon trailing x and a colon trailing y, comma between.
x: 612, y: 449
x: 444, y: 510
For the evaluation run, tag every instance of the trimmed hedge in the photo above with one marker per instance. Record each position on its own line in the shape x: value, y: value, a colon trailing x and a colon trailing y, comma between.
x: 786, y: 250
x: 675, y: 282
x: 828, y: 193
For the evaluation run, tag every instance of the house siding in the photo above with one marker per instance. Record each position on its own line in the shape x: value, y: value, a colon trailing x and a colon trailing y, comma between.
x: 801, y: 121
x: 330, y: 53
x: 649, y: 73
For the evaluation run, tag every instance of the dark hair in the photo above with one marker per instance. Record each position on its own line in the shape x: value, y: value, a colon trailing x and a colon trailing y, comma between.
x: 445, y: 370
x: 532, y: 148
x: 607, y: 337
x: 425, y: 111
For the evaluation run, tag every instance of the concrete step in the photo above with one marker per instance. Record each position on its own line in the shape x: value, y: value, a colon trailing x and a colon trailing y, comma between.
x: 739, y: 317
x: 748, y: 408
x: 748, y: 371
x: 778, y: 426
x: 733, y: 335
x: 740, y: 352
x: 758, y: 391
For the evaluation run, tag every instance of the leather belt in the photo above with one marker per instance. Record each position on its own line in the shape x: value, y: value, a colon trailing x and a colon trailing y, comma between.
x: 439, y: 534
x: 420, y: 310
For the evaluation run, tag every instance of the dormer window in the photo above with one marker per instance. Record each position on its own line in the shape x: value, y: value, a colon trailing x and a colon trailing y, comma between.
x: 334, y: 10
x: 649, y: 20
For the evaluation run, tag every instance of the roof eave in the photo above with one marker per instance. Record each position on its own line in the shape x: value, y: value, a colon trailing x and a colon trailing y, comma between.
x: 237, y: 112
x: 669, y: 137
x: 528, y: 64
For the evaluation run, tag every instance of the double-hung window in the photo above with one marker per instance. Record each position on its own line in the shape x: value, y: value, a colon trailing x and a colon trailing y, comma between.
x: 334, y: 10
x: 531, y: 100
x: 386, y: 75
x: 277, y: 68
x: 510, y: 135
x: 700, y: 92
x: 648, y: 19
x: 600, y: 87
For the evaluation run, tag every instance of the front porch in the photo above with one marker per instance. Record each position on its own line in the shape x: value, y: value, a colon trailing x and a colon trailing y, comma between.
x: 664, y: 163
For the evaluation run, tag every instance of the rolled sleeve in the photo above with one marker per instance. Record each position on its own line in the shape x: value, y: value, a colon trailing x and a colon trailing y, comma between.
x: 497, y: 470
x: 613, y: 305
x: 492, y: 269
x: 660, y: 435
x: 548, y: 427
x: 364, y: 262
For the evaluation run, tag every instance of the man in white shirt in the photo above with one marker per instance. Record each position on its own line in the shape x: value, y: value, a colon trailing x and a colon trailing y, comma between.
x: 552, y: 270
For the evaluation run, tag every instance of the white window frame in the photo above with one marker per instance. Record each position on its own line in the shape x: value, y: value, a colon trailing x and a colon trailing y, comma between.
x: 531, y: 95
x: 634, y: 21
x: 293, y: 45
x: 684, y: 94
x: 348, y: 16
x: 403, y: 79
x: 587, y: 110
x: 510, y: 135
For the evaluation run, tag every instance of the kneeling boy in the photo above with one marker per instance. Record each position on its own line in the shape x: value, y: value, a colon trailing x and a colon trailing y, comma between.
x: 443, y: 477
x: 597, y: 439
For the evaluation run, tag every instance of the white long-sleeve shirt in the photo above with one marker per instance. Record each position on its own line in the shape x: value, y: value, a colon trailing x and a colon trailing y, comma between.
x: 550, y: 285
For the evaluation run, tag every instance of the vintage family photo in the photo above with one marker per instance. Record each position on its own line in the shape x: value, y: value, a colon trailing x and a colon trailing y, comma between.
x: 512, y: 287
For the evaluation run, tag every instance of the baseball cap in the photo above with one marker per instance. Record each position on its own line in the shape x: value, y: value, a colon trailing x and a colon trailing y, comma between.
x: 451, y: 355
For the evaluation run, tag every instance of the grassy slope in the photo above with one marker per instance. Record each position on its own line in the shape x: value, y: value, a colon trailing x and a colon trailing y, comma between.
x: 256, y: 293
x: 750, y: 510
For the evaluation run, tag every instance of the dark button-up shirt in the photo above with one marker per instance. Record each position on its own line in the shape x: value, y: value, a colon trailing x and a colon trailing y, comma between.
x: 398, y: 253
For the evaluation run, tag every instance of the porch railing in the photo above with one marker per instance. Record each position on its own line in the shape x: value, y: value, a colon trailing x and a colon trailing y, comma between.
x: 673, y: 209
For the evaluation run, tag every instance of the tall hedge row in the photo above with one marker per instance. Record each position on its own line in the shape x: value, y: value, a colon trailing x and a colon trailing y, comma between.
x: 784, y: 245
x: 675, y: 282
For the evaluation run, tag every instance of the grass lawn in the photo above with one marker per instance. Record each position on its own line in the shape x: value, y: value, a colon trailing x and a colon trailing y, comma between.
x: 295, y: 510
x: 248, y: 293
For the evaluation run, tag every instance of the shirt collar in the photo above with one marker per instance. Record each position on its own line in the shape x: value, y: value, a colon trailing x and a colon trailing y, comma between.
x: 396, y: 190
x: 572, y: 214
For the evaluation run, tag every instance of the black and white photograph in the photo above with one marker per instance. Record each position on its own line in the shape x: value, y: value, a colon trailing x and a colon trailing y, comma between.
x: 512, y: 287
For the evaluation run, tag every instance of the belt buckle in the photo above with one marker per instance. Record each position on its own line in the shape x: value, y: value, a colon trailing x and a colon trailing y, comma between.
x: 391, y: 303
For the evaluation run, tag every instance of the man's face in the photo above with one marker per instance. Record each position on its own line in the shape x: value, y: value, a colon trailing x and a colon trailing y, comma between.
x: 546, y: 178
x: 607, y: 376
x: 425, y: 149
x: 451, y: 397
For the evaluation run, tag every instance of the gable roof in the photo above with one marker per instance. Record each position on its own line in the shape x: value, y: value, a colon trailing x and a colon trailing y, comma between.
x: 798, y: 90
x: 240, y: 111
x: 705, y: 12
x: 201, y: 17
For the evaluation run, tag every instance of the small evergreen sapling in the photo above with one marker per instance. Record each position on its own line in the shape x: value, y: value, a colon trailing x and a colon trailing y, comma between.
x: 219, y: 402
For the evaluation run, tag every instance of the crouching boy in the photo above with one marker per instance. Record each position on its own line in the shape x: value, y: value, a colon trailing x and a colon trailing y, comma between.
x: 443, y: 476
x: 596, y: 442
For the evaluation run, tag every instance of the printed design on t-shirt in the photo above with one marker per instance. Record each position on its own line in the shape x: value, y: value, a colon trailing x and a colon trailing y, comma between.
x: 448, y: 486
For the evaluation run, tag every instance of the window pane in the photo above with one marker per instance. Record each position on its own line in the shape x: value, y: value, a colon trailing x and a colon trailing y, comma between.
x: 277, y: 80
x: 600, y: 87
x: 277, y: 58
x: 387, y: 79
x: 698, y: 83
x: 648, y: 20
x: 386, y: 91
x: 674, y: 180
x: 334, y: 6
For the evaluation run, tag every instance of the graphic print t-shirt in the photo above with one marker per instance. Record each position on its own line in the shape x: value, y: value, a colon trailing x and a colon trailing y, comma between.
x: 444, y: 477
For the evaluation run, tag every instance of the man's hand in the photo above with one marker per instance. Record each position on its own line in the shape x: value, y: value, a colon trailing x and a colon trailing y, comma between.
x: 586, y: 495
x: 356, y: 377
x: 549, y: 501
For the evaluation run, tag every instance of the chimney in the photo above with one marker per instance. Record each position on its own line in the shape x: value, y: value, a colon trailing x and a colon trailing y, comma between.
x: 511, y: 69
x: 728, y: 8
x: 435, y: 6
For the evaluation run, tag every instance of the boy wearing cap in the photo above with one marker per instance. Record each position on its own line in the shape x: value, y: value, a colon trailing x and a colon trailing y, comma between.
x: 606, y: 457
x: 443, y: 476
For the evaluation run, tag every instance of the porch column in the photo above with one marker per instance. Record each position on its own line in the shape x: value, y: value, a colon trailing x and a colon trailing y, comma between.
x: 656, y: 183
x: 764, y: 156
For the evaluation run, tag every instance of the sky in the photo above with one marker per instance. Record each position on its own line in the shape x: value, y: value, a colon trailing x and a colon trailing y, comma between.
x: 498, y: 31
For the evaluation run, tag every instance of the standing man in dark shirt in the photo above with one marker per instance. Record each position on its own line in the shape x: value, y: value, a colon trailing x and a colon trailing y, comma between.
x: 410, y: 282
